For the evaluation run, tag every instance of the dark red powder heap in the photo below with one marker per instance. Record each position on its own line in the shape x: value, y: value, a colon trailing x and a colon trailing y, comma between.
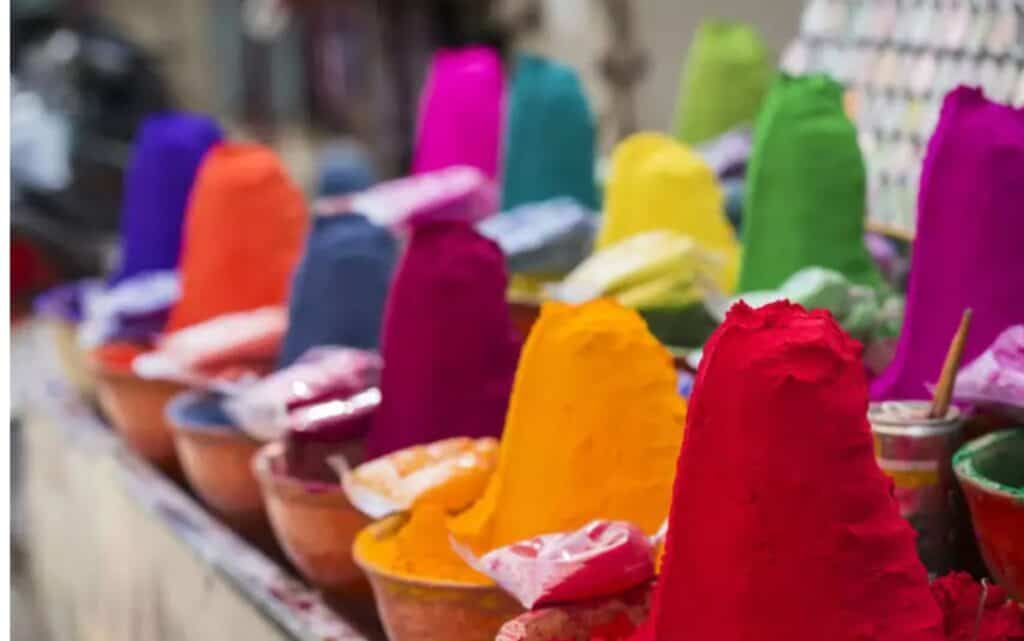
x: 448, y: 343
x: 782, y: 526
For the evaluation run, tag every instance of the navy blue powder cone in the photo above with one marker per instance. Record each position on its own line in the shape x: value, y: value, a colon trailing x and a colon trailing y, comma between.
x: 340, y: 286
x: 344, y: 169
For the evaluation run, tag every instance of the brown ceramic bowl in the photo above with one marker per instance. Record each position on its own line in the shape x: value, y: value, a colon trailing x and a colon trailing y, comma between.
x: 135, y: 405
x: 217, y: 460
x: 414, y: 609
x: 315, y: 525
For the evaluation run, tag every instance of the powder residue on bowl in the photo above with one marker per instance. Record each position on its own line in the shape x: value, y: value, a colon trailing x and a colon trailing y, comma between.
x: 417, y: 547
x: 782, y: 525
x: 593, y: 430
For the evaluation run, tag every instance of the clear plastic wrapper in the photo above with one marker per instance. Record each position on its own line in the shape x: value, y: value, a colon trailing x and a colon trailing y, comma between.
x: 455, y: 193
x: 549, y: 237
x: 322, y: 374
x: 328, y: 431
x: 996, y: 378
x: 134, y: 309
x: 451, y: 473
x: 602, y: 558
x: 219, y: 353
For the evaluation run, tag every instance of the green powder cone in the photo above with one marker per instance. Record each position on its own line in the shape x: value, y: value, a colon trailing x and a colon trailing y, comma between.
x: 805, y: 192
x: 725, y: 77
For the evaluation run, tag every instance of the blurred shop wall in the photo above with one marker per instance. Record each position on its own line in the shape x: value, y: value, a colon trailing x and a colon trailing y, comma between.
x: 578, y: 32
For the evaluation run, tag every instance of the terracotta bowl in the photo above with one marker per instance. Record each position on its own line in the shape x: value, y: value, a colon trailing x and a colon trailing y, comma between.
x: 315, y: 525
x: 217, y: 460
x: 991, y: 473
x: 413, y: 609
x: 136, y: 406
x: 585, y: 621
x: 74, y: 362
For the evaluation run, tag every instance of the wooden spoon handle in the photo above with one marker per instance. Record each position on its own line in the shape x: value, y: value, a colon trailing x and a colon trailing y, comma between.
x: 944, y: 389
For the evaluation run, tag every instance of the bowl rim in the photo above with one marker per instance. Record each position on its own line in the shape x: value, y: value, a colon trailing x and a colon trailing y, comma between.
x: 212, y: 430
x: 968, y: 474
x: 372, y: 570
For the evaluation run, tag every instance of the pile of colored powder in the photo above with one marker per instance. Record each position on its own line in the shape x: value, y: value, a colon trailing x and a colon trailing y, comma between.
x: 593, y: 430
x: 243, y: 234
x: 805, y: 196
x: 417, y: 548
x: 448, y: 342
x: 340, y: 286
x: 656, y: 183
x: 961, y: 598
x: 167, y: 154
x: 460, y: 111
x: 967, y: 247
x: 344, y: 169
x: 725, y: 77
x: 549, y: 136
x: 782, y: 525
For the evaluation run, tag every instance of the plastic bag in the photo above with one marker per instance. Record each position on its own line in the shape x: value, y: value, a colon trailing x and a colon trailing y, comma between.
x: 997, y: 376
x: 321, y: 374
x: 600, y: 559
x: 454, y: 193
x: 320, y: 432
x: 220, y: 352
x: 549, y: 237
x: 134, y: 309
x: 452, y: 473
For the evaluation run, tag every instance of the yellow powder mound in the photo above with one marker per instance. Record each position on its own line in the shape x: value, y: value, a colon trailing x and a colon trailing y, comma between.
x: 593, y: 430
x: 418, y: 548
x: 658, y: 183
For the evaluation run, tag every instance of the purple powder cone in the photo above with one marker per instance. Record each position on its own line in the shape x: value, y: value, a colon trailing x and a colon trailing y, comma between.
x: 448, y: 344
x: 967, y: 250
x: 460, y: 111
x: 168, y: 150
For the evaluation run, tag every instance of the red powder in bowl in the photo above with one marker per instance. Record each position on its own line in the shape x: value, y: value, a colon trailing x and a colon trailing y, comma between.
x: 782, y: 525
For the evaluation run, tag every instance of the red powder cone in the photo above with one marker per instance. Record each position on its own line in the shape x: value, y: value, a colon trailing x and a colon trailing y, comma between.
x: 243, y: 235
x: 782, y: 525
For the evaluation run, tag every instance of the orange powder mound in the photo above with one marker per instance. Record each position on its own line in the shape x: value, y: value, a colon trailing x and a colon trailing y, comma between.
x: 593, y: 430
x: 417, y: 548
x: 243, y: 235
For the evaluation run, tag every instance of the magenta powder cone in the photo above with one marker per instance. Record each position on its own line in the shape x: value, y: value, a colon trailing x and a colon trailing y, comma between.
x: 460, y: 111
x: 968, y: 247
x: 448, y: 343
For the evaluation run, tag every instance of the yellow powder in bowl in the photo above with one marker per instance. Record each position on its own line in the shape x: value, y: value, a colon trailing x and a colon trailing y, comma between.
x: 415, y: 546
x: 593, y: 430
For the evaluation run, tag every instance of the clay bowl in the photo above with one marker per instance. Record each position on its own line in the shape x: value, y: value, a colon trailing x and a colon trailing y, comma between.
x: 135, y: 405
x: 315, y: 525
x: 608, y: 617
x: 74, y: 362
x: 216, y: 457
x: 991, y: 473
x: 414, y: 609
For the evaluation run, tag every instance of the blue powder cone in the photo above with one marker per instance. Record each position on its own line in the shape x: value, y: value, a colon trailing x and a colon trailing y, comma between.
x: 549, y: 138
x: 340, y: 286
x: 344, y: 169
x: 168, y: 151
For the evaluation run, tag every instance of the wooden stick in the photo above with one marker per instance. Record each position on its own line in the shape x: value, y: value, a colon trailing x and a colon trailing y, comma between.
x: 944, y: 389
